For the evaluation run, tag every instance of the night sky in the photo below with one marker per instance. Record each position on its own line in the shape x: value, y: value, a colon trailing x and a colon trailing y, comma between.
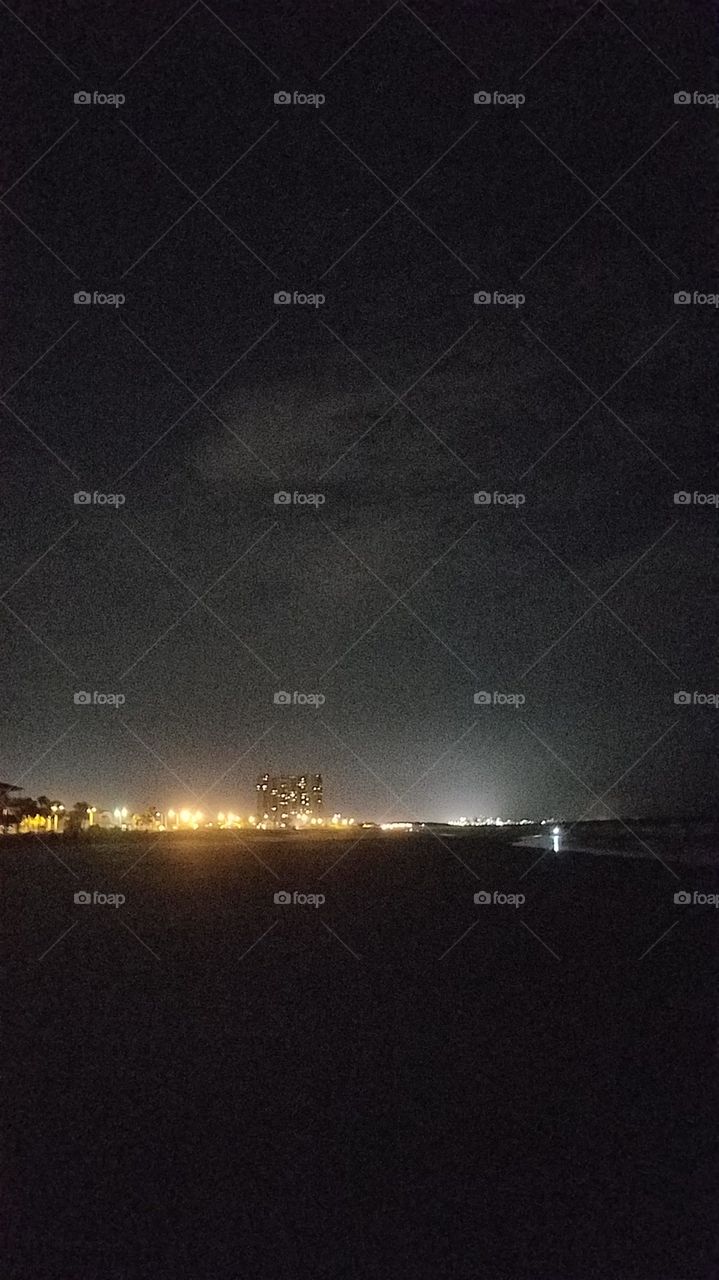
x: 396, y: 399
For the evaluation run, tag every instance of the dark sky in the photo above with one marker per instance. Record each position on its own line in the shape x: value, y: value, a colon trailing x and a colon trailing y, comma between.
x: 198, y: 399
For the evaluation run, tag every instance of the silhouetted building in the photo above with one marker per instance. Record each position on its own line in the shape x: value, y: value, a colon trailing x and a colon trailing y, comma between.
x: 285, y: 800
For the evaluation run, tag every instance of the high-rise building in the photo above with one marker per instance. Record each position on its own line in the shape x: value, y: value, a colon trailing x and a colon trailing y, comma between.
x: 286, y: 800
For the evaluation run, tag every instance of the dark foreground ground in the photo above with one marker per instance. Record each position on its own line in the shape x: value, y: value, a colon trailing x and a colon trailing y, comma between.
x: 202, y: 1083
